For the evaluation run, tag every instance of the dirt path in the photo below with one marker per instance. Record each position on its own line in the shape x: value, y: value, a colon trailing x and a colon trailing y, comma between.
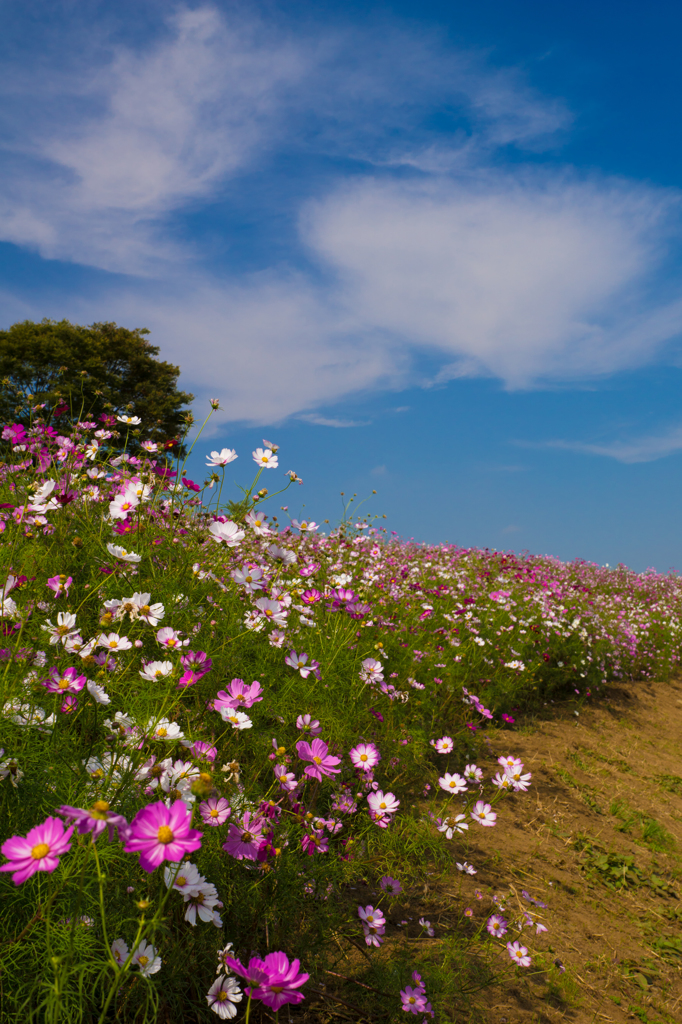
x: 598, y: 838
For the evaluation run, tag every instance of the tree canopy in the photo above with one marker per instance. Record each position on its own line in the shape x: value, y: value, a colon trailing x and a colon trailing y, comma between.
x: 87, y: 373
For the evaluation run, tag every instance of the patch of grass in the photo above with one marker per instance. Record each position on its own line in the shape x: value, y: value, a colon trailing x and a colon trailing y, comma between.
x: 649, y: 831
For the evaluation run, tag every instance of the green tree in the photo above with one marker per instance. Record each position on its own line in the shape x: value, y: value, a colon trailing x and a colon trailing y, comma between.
x: 85, y: 372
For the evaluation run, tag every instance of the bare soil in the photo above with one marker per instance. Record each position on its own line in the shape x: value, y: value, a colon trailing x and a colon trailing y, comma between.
x: 598, y: 838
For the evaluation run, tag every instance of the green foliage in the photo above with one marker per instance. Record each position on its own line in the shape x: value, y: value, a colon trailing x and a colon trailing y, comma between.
x: 90, y: 370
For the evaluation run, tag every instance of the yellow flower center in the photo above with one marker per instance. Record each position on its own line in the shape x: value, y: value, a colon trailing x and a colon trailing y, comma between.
x: 317, y: 760
x: 181, y: 880
x: 165, y: 835
x: 40, y: 851
x: 143, y: 961
x: 63, y: 683
x: 214, y: 812
x: 363, y: 757
x: 162, y: 731
x: 99, y: 810
x: 277, y: 988
x: 222, y: 995
x: 382, y: 806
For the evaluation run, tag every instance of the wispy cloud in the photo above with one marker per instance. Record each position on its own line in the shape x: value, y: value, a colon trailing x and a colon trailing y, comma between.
x: 641, y: 449
x: 432, y: 246
x: 330, y: 421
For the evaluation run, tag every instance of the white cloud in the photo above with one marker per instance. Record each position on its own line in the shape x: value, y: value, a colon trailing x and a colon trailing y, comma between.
x: 528, y: 276
x: 641, y: 449
x: 508, y: 276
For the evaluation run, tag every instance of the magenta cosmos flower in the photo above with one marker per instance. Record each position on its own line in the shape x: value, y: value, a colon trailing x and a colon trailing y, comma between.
x: 239, y: 695
x: 245, y: 838
x: 317, y: 752
x: 273, y: 980
x: 96, y: 819
x: 64, y: 682
x: 39, y: 851
x: 161, y: 833
x: 365, y: 756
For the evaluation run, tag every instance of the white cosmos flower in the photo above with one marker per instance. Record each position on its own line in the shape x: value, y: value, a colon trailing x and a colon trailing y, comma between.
x: 154, y: 670
x: 114, y: 642
x: 237, y: 719
x: 146, y: 958
x: 452, y: 826
x: 266, y: 458
x: 98, y: 693
x: 130, y: 421
x: 164, y: 730
x: 187, y: 878
x: 222, y: 457
x: 123, y: 553
x: 119, y: 951
x: 122, y: 505
x: 228, y: 532
x: 222, y: 995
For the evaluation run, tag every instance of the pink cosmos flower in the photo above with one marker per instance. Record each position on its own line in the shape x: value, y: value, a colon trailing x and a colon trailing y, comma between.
x: 39, y: 851
x: 371, y: 671
x: 96, y: 819
x: 239, y: 695
x: 161, y: 833
x: 444, y: 745
x: 365, y: 756
x: 309, y: 725
x: 519, y: 954
x: 413, y: 999
x: 64, y: 682
x: 372, y: 916
x: 484, y: 814
x: 390, y: 885
x: 70, y: 704
x: 318, y: 752
x: 215, y: 811
x: 273, y: 980
x: 496, y: 925
x: 168, y: 637
x: 287, y: 780
x: 244, y: 839
x: 201, y: 749
x: 60, y: 585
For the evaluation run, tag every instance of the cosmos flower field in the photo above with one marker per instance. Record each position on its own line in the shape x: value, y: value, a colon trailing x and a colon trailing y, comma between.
x: 234, y: 743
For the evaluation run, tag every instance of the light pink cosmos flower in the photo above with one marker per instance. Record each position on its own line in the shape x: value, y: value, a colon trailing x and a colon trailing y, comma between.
x: 467, y: 868
x: 483, y: 814
x: 119, y: 951
x: 519, y: 781
x: 161, y: 833
x: 323, y: 763
x: 256, y: 520
x: 272, y: 611
x: 239, y: 695
x: 168, y: 638
x: 510, y: 762
x: 227, y: 533
x: 519, y: 954
x: 64, y: 682
x: 147, y: 959
x: 472, y: 773
x: 444, y: 745
x: 453, y: 783
x: 244, y: 839
x: 215, y: 811
x: 38, y: 851
x: 308, y: 725
x: 250, y: 577
x: 453, y: 825
x: 383, y: 804
x: 371, y: 671
x: 365, y: 756
x: 287, y: 780
x: 300, y: 663
x: 502, y: 781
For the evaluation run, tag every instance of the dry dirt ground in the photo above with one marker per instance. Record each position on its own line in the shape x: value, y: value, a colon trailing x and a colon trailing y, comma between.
x: 598, y: 838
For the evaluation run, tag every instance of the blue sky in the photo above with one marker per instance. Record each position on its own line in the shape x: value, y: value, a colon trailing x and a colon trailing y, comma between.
x: 432, y: 250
